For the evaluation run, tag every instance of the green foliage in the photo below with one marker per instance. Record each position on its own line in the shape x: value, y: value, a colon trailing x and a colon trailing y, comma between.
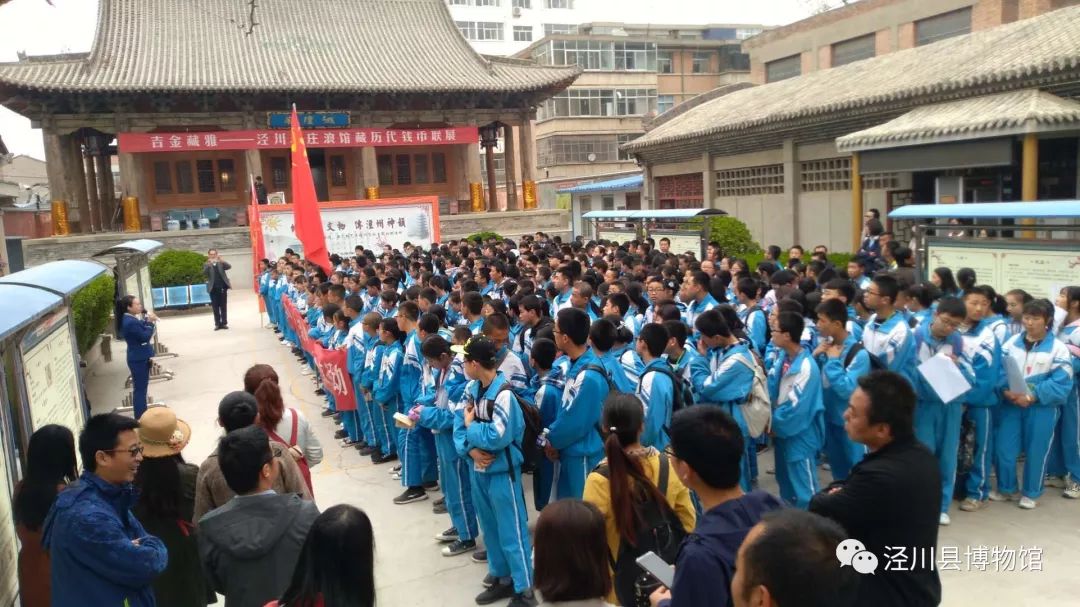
x: 177, y: 269
x: 90, y: 310
x: 483, y: 236
x: 838, y: 260
x: 733, y: 235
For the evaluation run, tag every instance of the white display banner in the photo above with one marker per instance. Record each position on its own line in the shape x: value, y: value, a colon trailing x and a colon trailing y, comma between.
x: 51, y: 376
x: 370, y: 223
x: 144, y: 289
x: 1041, y: 269
x: 681, y: 242
x: 9, y: 551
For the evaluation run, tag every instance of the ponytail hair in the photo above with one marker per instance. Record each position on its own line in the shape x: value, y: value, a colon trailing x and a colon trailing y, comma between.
x: 271, y: 406
x: 623, y: 420
x: 122, y: 306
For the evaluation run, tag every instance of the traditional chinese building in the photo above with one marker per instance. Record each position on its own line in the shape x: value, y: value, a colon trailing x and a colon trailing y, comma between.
x: 196, y: 97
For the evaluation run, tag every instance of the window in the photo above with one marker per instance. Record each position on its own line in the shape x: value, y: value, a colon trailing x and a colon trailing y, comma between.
x: 523, y: 33
x: 403, y: 169
x: 411, y: 169
x: 279, y: 173
x: 385, y: 163
x: 338, y: 175
x: 701, y: 62
x: 743, y: 34
x: 622, y: 139
x: 480, y: 30
x: 459, y: 2
x: 205, y: 171
x: 585, y: 202
x: 478, y: 2
x: 830, y: 175
x: 664, y: 103
x: 940, y: 27
x: 558, y: 3
x: 227, y: 174
x: 782, y: 69
x: 559, y: 28
x: 487, y: 2
x: 162, y: 178
x: 602, y: 55
x: 599, y: 102
x: 420, y: 168
x: 664, y: 63
x: 522, y: 3
x: 184, y: 182
x: 880, y: 181
x: 751, y: 181
x: 633, y: 56
x: 856, y: 49
x: 607, y: 202
x: 438, y: 167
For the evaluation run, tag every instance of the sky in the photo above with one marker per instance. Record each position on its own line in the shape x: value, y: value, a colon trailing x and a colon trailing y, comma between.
x: 38, y: 28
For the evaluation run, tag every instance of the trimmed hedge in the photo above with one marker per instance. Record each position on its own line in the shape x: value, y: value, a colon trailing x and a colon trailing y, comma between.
x: 483, y: 236
x: 177, y: 269
x: 91, y: 308
x: 733, y: 235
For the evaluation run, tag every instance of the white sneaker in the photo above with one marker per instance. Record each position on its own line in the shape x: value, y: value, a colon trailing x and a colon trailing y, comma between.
x: 1027, y: 503
x: 1001, y: 497
x: 1072, y: 489
x: 944, y: 519
x: 396, y: 476
x: 971, y: 504
x: 1057, y: 482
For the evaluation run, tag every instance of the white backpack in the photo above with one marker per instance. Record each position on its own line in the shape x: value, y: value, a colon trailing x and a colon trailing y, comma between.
x: 757, y: 409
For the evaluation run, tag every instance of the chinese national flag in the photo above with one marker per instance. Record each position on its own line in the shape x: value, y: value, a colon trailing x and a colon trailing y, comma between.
x: 306, y: 216
x: 258, y: 247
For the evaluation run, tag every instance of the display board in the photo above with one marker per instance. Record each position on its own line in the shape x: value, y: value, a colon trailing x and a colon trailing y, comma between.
x: 622, y: 236
x: 370, y: 223
x: 131, y: 286
x: 681, y: 242
x: 9, y: 550
x: 144, y: 289
x: 1041, y: 268
x: 50, y: 375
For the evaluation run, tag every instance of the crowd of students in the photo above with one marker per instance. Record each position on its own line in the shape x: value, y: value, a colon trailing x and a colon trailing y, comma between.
x: 647, y: 384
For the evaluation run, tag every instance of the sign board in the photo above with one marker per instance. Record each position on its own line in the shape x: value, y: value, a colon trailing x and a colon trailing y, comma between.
x: 9, y: 550
x: 276, y: 139
x: 1040, y: 268
x: 370, y: 223
x: 563, y: 201
x: 50, y: 375
x: 619, y: 236
x: 145, y: 295
x: 309, y: 120
x: 681, y: 242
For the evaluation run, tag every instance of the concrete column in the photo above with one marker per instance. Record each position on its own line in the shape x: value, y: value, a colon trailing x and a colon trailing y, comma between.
x: 528, y: 149
x: 369, y: 167
x: 856, y: 202
x: 106, y: 191
x: 76, y: 178
x: 92, y: 193
x: 708, y: 185
x: 509, y: 153
x: 648, y: 189
x: 791, y: 186
x: 473, y: 171
x: 356, y: 157
x: 492, y: 183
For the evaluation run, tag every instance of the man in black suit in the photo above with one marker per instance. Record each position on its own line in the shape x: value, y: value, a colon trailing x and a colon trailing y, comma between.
x: 217, y: 282
x: 891, y: 499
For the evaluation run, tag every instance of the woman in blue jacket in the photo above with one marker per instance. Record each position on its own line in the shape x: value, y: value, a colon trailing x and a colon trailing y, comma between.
x: 137, y: 328
x: 387, y: 390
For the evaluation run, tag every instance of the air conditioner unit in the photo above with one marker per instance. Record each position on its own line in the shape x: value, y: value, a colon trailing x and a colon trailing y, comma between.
x: 517, y: 11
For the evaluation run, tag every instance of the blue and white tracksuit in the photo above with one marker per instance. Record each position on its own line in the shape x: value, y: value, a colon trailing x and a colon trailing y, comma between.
x: 837, y: 385
x: 416, y: 446
x: 497, y: 491
x: 937, y: 423
x: 890, y: 340
x: 755, y: 323
x: 982, y: 350
x: 359, y: 343
x: 725, y: 378
x: 575, y: 431
x: 657, y: 395
x: 629, y: 365
x: 548, y: 395
x: 561, y: 300
x: 798, y: 423
x: 1065, y: 450
x: 696, y: 308
x: 513, y: 370
x: 1047, y: 367
x: 610, y: 362
x: 445, y: 405
x: 382, y: 433
x: 387, y: 395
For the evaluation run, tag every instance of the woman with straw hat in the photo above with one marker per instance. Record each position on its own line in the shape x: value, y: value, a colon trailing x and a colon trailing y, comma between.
x: 166, y: 503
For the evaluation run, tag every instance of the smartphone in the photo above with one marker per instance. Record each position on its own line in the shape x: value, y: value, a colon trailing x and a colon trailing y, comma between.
x: 659, y: 568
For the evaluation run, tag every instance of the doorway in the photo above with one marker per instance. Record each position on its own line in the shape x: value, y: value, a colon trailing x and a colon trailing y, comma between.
x: 317, y: 162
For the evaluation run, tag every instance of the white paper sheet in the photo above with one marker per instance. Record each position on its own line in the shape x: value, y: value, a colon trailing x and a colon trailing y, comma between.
x: 1017, y: 382
x: 944, y: 377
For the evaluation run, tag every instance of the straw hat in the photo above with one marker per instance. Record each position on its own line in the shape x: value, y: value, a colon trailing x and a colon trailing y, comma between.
x: 161, y: 433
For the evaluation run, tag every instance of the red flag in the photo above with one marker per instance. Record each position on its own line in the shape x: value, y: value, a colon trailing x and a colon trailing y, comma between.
x: 258, y: 247
x: 335, y: 376
x: 306, y: 216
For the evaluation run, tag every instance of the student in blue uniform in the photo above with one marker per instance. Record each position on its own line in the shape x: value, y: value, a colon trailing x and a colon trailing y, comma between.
x: 1065, y: 452
x: 624, y: 353
x: 695, y: 294
x: 574, y: 440
x: 386, y: 390
x: 887, y: 335
x: 492, y: 432
x: 602, y: 344
x: 137, y: 328
x: 840, y: 372
x: 982, y: 350
x: 417, y: 464
x: 798, y: 423
x: 548, y: 391
x: 656, y: 390
x: 472, y: 307
x: 686, y: 361
x: 1027, y: 418
x: 844, y: 290
x: 754, y: 319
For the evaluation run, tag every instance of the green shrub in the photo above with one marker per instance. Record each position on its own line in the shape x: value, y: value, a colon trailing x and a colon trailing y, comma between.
x: 838, y: 260
x: 483, y: 236
x: 177, y: 268
x: 91, y: 308
x: 733, y: 235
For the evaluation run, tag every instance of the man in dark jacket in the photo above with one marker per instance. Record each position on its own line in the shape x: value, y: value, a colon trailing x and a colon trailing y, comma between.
x: 218, y: 284
x: 101, y: 554
x: 890, y: 501
x: 249, y: 546
x: 706, y: 447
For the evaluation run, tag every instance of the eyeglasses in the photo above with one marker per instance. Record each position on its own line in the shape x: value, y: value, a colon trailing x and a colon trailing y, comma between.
x: 874, y: 293
x: 134, y: 451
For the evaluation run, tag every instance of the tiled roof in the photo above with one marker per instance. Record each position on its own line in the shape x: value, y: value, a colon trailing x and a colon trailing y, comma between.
x: 1005, y: 114
x: 334, y: 46
x: 1015, y: 52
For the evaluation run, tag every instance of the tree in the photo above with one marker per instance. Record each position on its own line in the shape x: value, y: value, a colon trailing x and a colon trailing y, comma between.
x: 816, y: 7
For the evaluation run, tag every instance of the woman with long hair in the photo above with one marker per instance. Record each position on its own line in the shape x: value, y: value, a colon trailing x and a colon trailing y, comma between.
x: 284, y: 424
x: 965, y: 279
x: 50, y: 466
x: 336, y: 567
x: 942, y: 278
x: 625, y: 485
x: 166, y: 507
x: 571, y: 556
x: 137, y: 327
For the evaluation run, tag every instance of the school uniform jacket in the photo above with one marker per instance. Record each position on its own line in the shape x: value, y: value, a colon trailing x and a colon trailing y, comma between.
x: 799, y: 413
x: 1047, y: 367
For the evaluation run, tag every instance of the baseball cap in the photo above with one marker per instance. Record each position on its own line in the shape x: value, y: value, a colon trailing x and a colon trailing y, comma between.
x: 479, y: 349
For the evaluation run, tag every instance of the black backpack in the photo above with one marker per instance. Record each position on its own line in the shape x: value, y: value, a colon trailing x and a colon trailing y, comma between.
x: 876, y: 364
x: 531, y: 452
x: 684, y: 395
x: 659, y: 530
x: 611, y: 388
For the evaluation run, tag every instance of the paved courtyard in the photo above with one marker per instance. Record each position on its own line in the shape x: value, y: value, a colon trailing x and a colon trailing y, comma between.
x: 410, y: 568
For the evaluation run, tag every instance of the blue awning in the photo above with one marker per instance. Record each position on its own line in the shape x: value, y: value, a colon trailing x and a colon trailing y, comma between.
x: 634, y: 182
x: 61, y: 277
x: 991, y: 210
x: 143, y: 245
x: 653, y: 214
x: 20, y: 306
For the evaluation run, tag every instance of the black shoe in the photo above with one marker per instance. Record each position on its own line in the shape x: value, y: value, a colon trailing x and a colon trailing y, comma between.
x: 431, y: 486
x: 327, y: 413
x: 360, y: 444
x: 341, y: 434
x: 337, y: 417
x: 439, y: 508
x: 480, y: 556
x: 522, y: 599
x: 378, y: 458
x: 447, y: 536
x: 412, y: 494
x: 364, y: 451
x: 218, y: 328
x: 489, y: 580
x: 320, y: 392
x: 226, y: 327
x: 459, y: 547
x: 438, y: 502
x: 499, y: 591
x: 396, y: 469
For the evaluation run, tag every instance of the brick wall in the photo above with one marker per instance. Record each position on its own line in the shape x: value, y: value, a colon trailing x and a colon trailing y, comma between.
x: 905, y: 36
x: 757, y: 72
x: 817, y: 21
x: 807, y: 62
x: 883, y: 42
x: 824, y: 57
x: 688, y: 185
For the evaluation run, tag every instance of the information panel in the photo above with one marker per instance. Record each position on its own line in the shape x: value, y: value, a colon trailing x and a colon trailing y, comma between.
x: 51, y: 376
x: 144, y: 289
x: 1040, y: 268
x: 9, y: 551
x: 370, y: 223
x: 681, y: 242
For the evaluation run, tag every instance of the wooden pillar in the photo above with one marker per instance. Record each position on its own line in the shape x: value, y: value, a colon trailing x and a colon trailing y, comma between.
x: 356, y: 160
x: 526, y: 144
x: 369, y: 167
x: 92, y: 192
x: 106, y: 191
x: 509, y: 153
x: 856, y: 202
x: 1029, y: 178
x: 56, y: 167
x: 473, y: 172
x: 492, y: 184
x: 75, y: 176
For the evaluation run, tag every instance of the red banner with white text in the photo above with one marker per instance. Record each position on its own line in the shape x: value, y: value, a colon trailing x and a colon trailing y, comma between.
x: 270, y: 139
x: 334, y: 372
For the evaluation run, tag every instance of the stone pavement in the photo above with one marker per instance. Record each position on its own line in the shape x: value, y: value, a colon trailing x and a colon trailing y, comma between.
x: 409, y: 567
